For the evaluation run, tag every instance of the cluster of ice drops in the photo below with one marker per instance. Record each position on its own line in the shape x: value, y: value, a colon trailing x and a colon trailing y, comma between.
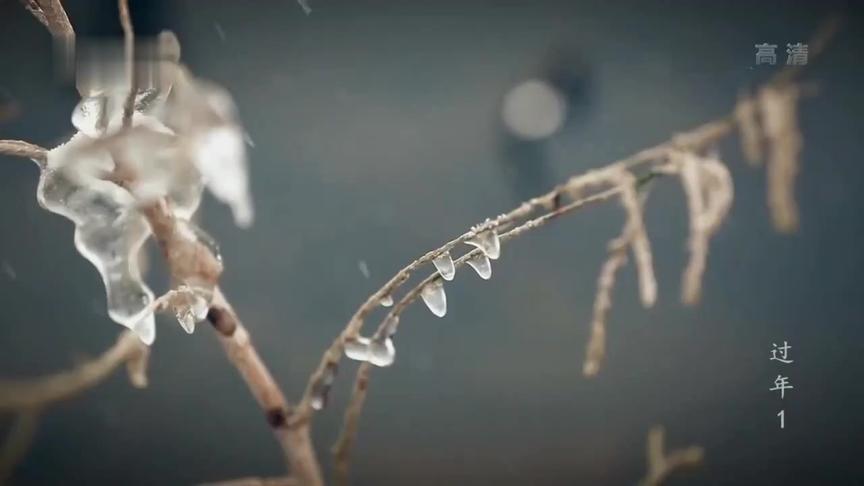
x: 379, y: 349
x: 183, y: 136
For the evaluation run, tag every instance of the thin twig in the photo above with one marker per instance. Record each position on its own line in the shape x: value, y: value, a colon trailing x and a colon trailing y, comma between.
x: 661, y: 465
x: 695, y: 140
x: 28, y: 397
x: 129, y: 52
x: 53, y: 16
x: 342, y: 448
x: 701, y: 136
x: 18, y: 148
x: 187, y: 258
x: 38, y: 393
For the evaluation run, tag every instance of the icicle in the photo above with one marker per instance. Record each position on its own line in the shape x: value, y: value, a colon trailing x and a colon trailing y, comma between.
x: 382, y: 352
x: 379, y: 352
x: 386, y: 301
x: 186, y: 319
x: 204, y: 115
x: 481, y: 264
x: 435, y: 298
x: 444, y: 264
x: 488, y: 242
x: 321, y: 388
x: 109, y: 232
x: 357, y: 348
x: 190, y: 305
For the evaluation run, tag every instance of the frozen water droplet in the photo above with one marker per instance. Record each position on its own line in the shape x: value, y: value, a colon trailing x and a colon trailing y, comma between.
x: 317, y: 402
x: 190, y: 306
x: 186, y: 319
x: 481, y: 264
x: 387, y: 301
x: 200, y: 307
x: 444, y: 264
x: 488, y: 242
x: 321, y: 388
x: 435, y: 298
x: 357, y: 348
x: 145, y: 329
x: 382, y: 352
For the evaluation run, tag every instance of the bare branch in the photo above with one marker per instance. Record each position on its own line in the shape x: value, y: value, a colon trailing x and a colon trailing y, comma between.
x: 778, y: 106
x: 295, y: 441
x: 52, y: 15
x: 661, y: 465
x: 129, y: 53
x: 38, y: 393
x: 19, y: 148
x: 695, y: 140
x: 596, y: 349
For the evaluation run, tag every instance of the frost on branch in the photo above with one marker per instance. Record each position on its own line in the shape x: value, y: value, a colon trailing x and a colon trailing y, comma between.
x: 184, y: 135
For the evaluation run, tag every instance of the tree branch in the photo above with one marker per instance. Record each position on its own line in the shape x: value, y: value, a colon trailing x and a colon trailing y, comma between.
x: 27, y: 398
x: 694, y: 140
x: 129, y: 53
x: 661, y: 465
x: 16, y: 395
x: 18, y: 148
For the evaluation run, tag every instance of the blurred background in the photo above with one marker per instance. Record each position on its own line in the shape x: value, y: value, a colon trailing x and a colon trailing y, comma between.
x: 382, y: 129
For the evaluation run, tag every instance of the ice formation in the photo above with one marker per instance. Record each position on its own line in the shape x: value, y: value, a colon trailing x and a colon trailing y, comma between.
x: 184, y: 136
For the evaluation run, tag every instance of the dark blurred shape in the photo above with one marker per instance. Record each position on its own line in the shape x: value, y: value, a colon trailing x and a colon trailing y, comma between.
x: 9, y: 108
x: 553, y: 99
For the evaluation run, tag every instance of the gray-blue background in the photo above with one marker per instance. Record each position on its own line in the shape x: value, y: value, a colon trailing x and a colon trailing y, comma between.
x: 376, y: 139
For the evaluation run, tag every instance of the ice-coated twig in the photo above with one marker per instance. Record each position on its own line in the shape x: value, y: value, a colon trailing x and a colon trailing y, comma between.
x: 695, y: 140
x: 661, y: 464
x: 191, y: 259
x: 342, y: 448
x: 291, y: 425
